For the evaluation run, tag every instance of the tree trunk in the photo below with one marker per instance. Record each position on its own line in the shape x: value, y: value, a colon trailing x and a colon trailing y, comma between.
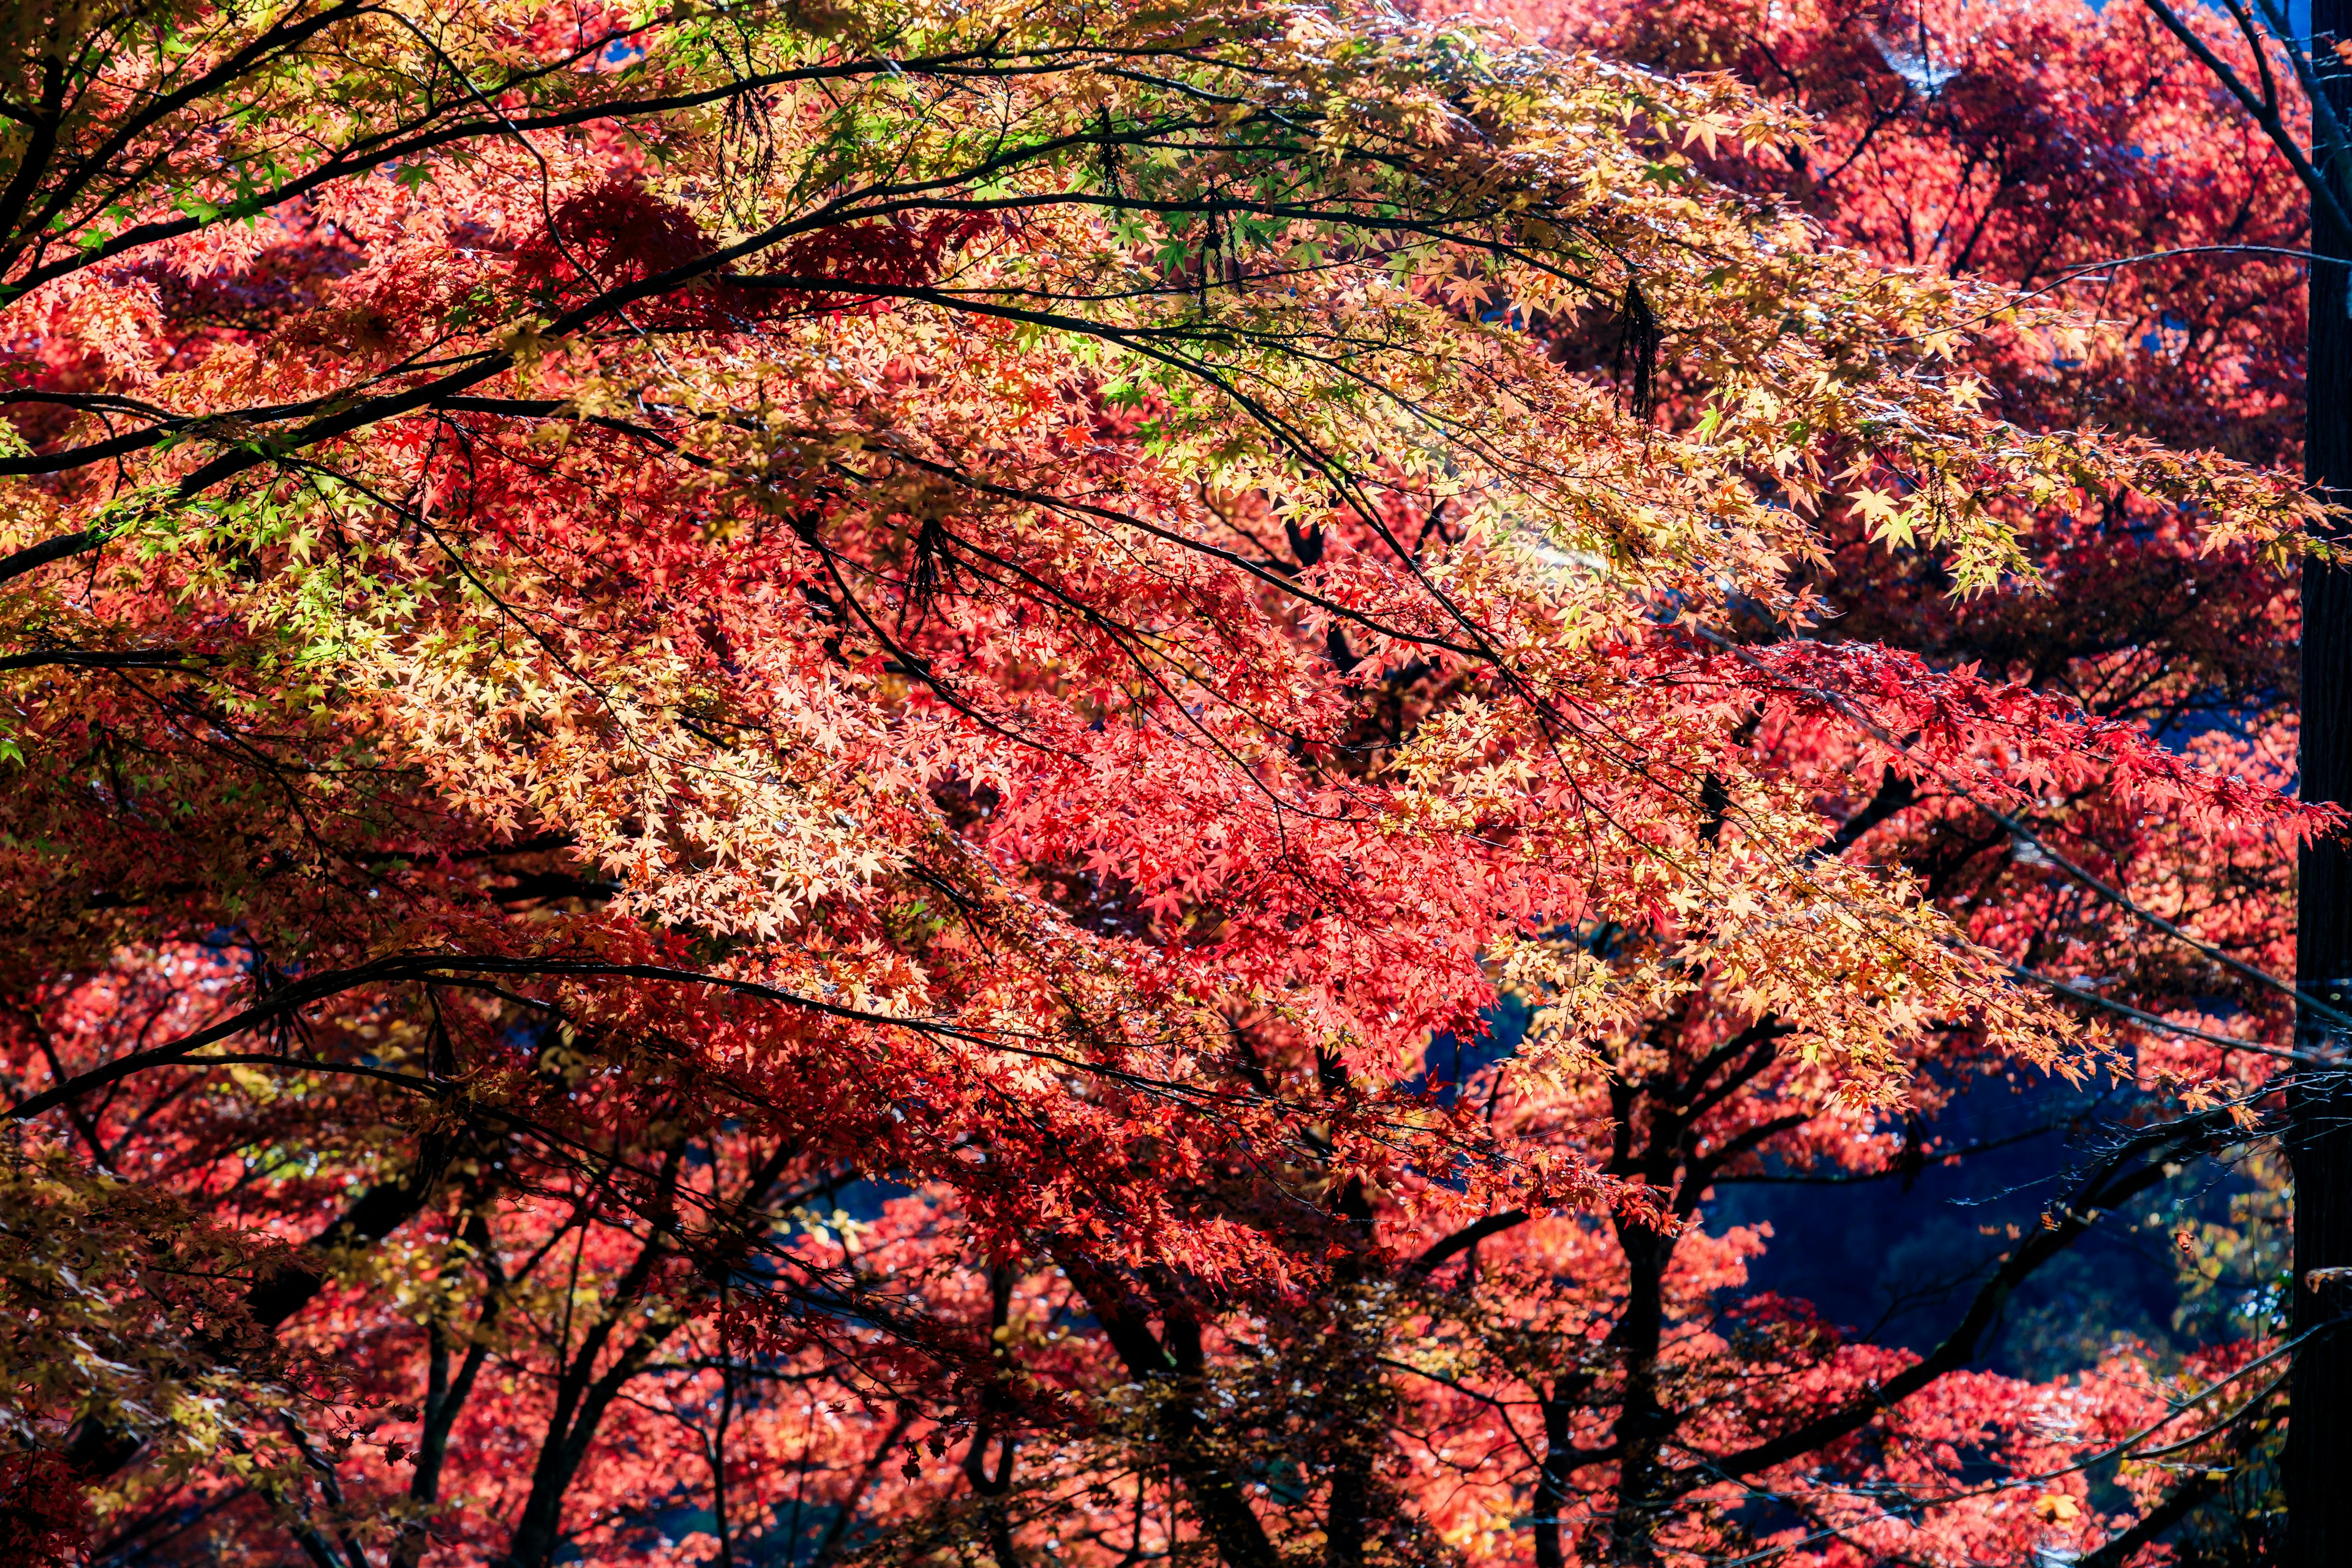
x: 1173, y: 1359
x: 2319, y: 1143
x: 1644, y: 1492
x: 1355, y: 1383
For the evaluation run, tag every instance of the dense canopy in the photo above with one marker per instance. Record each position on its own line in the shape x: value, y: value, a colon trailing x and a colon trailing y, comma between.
x: 764, y: 763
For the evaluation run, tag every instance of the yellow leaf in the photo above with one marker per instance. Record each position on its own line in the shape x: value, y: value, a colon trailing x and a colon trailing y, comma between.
x: 1874, y: 505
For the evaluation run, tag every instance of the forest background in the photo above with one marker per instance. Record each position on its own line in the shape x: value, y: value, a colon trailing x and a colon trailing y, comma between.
x: 813, y: 783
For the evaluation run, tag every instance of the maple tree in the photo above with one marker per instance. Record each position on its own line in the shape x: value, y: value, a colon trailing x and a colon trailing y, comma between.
x: 2286, y: 74
x: 751, y: 750
x: 1939, y: 147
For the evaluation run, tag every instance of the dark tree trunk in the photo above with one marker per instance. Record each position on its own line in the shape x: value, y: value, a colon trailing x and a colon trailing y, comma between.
x: 1644, y: 1490
x: 1551, y: 1481
x: 1360, y: 1387
x: 2319, y: 1431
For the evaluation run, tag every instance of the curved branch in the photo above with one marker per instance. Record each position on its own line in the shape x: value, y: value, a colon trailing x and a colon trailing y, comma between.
x: 304, y: 992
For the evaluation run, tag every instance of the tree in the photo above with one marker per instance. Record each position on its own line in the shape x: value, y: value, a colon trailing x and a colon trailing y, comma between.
x: 752, y: 742
x: 2309, y: 134
x: 2125, y: 630
x: 2279, y: 67
x: 2287, y: 78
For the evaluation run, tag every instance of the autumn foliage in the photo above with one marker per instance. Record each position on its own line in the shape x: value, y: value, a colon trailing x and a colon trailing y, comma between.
x: 811, y: 783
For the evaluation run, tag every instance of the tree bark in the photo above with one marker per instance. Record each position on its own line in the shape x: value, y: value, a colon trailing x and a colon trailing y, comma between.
x: 1357, y: 1384
x: 2319, y: 1140
x: 1173, y: 1362
x: 1643, y: 1487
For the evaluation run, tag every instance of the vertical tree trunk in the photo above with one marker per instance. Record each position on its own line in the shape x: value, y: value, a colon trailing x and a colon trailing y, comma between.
x: 2319, y: 1433
x: 1551, y: 1481
x: 1642, y: 1486
x: 1362, y: 1384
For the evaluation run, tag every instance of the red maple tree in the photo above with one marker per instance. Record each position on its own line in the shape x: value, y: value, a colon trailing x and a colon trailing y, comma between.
x: 752, y: 751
